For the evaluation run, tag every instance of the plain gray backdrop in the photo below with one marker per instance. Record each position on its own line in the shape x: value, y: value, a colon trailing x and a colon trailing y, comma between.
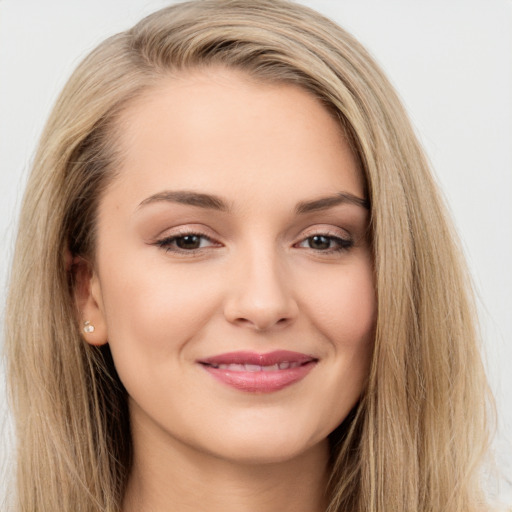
x: 451, y: 61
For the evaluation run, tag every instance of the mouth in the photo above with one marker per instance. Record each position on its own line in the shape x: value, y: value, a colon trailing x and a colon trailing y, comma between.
x: 259, y: 373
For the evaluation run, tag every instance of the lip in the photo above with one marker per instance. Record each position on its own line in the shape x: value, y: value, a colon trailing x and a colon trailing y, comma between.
x: 259, y: 373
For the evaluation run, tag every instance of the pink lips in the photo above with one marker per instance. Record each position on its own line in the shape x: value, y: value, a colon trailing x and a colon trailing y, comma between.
x: 263, y: 373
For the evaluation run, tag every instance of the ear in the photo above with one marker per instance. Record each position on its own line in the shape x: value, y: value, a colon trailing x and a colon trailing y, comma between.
x: 89, y: 302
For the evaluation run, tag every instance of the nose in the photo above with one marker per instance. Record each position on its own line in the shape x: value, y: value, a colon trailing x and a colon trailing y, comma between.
x: 260, y: 294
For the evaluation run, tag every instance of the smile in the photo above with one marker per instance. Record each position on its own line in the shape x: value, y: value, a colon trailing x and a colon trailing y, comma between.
x: 256, y: 367
x: 259, y: 373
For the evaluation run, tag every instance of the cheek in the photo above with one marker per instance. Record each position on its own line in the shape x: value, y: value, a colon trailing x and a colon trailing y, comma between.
x: 347, y: 320
x: 342, y: 305
x: 152, y: 313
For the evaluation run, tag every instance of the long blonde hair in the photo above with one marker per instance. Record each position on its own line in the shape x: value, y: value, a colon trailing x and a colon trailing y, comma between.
x: 416, y: 439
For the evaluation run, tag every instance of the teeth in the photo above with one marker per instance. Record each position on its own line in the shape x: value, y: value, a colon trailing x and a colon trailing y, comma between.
x: 232, y: 367
x: 235, y: 367
x: 272, y: 368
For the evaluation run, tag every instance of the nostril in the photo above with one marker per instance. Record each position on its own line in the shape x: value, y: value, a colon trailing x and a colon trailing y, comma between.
x: 260, y: 309
x: 243, y: 321
x: 262, y: 324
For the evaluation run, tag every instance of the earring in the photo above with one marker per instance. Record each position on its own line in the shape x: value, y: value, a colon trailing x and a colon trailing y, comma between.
x: 88, y: 327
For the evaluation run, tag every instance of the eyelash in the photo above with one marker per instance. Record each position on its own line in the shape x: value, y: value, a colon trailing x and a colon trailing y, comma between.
x: 168, y: 244
x: 342, y: 244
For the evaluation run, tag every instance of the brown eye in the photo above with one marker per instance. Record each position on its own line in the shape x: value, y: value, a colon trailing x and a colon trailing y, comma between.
x: 319, y: 242
x: 326, y: 243
x: 188, y: 242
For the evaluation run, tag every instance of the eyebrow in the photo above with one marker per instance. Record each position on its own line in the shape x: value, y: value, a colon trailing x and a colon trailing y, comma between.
x: 213, y: 202
x: 207, y: 201
x: 324, y: 203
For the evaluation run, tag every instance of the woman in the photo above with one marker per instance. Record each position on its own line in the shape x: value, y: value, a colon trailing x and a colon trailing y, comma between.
x: 236, y: 300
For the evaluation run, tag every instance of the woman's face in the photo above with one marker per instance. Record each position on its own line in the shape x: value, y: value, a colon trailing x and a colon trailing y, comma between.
x: 233, y: 277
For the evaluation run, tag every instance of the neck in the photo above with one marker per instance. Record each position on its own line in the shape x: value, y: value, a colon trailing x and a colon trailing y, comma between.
x: 169, y: 476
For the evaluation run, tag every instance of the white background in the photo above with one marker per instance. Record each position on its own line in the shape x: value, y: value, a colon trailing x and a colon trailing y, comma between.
x: 451, y: 61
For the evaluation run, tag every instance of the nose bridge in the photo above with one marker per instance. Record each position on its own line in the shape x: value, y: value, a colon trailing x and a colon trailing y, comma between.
x: 260, y: 294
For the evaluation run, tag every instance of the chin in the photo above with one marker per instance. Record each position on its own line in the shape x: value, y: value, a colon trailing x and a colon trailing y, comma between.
x: 254, y: 442
x: 258, y: 451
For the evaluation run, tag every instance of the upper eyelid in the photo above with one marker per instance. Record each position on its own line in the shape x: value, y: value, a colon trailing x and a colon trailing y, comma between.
x: 172, y: 236
x: 205, y: 231
x: 178, y: 231
x: 202, y: 230
x: 332, y: 231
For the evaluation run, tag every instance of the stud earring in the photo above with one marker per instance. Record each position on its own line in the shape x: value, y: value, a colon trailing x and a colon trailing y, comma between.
x: 88, y: 327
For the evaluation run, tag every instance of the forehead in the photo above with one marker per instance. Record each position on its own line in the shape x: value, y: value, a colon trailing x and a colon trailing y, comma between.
x: 218, y: 129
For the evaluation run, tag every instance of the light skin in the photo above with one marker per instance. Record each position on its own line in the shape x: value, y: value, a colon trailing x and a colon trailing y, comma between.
x: 236, y: 222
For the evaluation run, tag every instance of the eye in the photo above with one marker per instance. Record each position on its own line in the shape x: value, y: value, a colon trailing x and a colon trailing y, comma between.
x: 189, y: 242
x: 186, y: 242
x: 326, y: 243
